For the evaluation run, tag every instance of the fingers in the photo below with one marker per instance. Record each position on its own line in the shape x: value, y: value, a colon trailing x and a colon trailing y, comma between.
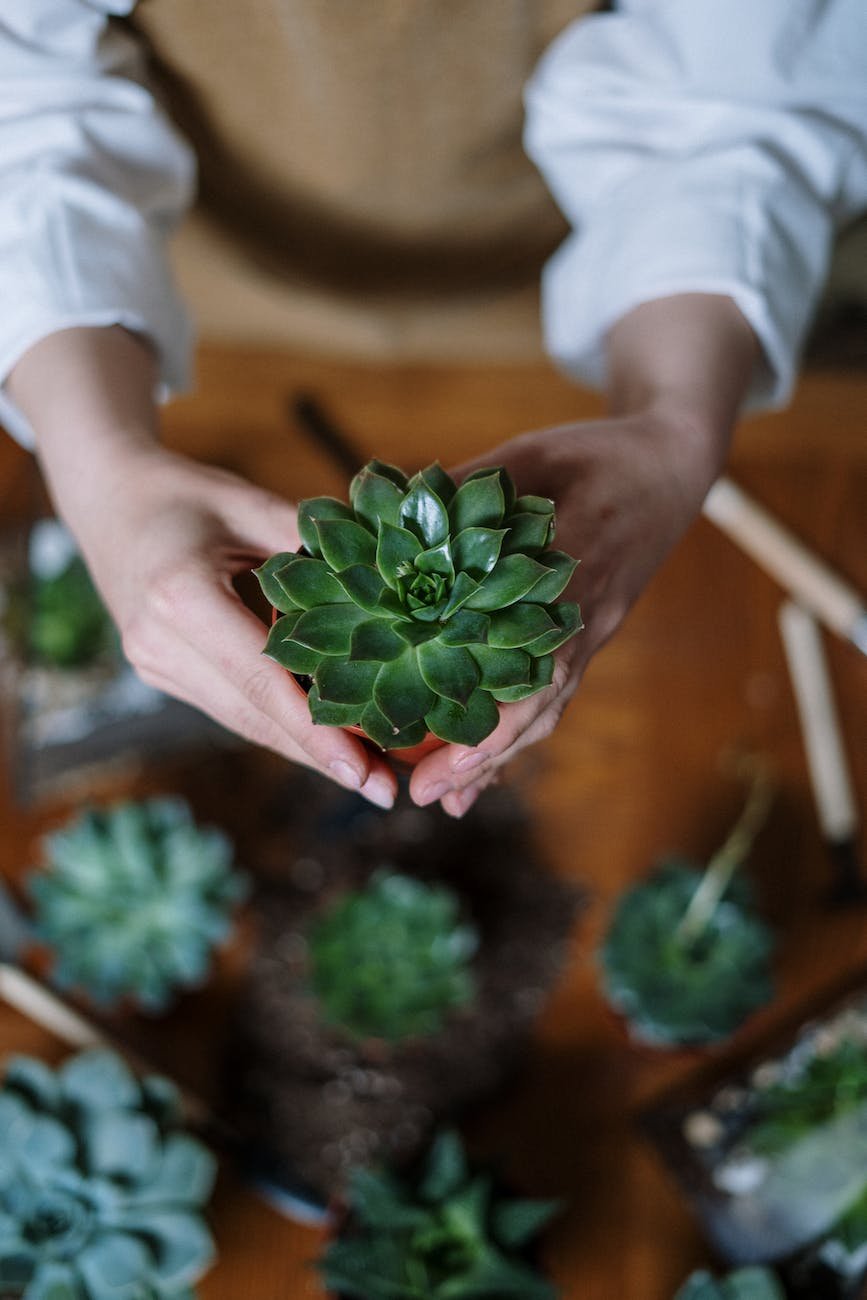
x: 451, y: 772
x: 198, y: 642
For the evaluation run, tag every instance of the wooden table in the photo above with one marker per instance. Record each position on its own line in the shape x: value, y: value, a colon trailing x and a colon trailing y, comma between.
x: 633, y: 771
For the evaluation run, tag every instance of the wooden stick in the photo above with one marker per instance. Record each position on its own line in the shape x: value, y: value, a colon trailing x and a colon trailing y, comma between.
x: 812, y: 582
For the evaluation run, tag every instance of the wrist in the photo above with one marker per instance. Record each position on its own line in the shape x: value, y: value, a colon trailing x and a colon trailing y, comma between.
x: 685, y: 363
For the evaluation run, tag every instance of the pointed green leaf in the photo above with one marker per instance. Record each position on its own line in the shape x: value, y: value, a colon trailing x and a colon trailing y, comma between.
x: 549, y: 588
x: 329, y: 629
x: 511, y: 578
x: 464, y: 726
x: 328, y: 714
x: 364, y: 585
x: 506, y: 485
x: 439, y: 481
x: 425, y: 613
x: 390, y: 472
x: 478, y: 503
x: 375, y: 497
x: 476, y: 550
x: 309, y: 583
x: 465, y: 627
x: 518, y: 625
x: 416, y: 633
x: 541, y: 674
x: 314, y: 509
x: 342, y: 682
x: 515, y: 1223
x: 463, y: 588
x: 534, y: 505
x: 401, y: 692
x: 291, y: 654
x: 424, y: 515
x: 376, y: 640
x: 438, y: 559
x: 501, y: 668
x: 395, y: 547
x: 344, y: 542
x: 273, y: 590
x: 450, y: 671
x: 529, y: 533
x: 385, y: 734
x: 445, y: 1168
x: 567, y: 619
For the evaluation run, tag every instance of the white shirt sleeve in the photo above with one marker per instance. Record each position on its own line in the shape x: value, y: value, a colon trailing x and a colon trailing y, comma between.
x: 709, y: 146
x: 92, y: 179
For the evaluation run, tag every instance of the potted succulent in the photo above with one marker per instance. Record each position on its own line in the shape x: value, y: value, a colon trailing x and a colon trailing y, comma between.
x: 101, y: 1190
x: 686, y: 960
x: 400, y: 965
x: 415, y: 609
x: 132, y: 901
x: 745, y: 1284
x: 442, y: 1234
x: 775, y: 1159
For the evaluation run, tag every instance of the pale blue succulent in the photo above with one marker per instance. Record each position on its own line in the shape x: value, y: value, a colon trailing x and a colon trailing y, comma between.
x: 101, y: 1190
x: 133, y: 901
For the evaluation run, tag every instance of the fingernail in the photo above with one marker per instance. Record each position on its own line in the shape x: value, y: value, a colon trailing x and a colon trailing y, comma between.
x: 432, y: 793
x: 346, y: 774
x: 378, y: 790
x: 463, y: 801
x: 472, y: 758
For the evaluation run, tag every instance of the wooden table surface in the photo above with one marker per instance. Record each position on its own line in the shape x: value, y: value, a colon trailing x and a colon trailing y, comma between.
x: 633, y: 771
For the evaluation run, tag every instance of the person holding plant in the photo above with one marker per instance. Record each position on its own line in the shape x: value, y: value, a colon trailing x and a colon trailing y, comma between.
x: 703, y: 175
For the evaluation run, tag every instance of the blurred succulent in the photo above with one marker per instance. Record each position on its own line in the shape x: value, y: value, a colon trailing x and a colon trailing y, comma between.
x: 392, y: 959
x: 421, y: 604
x: 101, y: 1192
x: 745, y: 1284
x: 673, y: 987
x: 827, y: 1086
x: 442, y: 1236
x: 686, y: 959
x: 133, y: 900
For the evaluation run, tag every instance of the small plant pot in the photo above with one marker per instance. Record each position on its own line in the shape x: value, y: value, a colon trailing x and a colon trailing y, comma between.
x: 771, y: 1157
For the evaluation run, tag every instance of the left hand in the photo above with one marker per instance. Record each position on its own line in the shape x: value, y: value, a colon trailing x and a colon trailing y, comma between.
x: 625, y: 490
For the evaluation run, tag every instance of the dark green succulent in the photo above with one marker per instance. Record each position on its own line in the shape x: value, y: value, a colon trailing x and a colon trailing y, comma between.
x: 828, y: 1086
x: 101, y: 1191
x: 442, y: 1236
x: 745, y: 1284
x: 134, y: 900
x: 677, y: 989
x: 421, y: 604
x: 392, y: 959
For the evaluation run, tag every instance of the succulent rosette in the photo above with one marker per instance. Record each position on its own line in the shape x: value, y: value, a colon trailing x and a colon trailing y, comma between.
x: 421, y: 605
x: 101, y: 1190
x: 134, y: 900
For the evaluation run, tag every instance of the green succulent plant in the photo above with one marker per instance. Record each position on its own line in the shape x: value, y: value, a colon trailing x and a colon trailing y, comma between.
x: 674, y: 988
x: 59, y: 620
x: 745, y: 1284
x: 101, y: 1190
x: 134, y: 899
x: 445, y: 1235
x: 420, y: 605
x: 828, y: 1086
x: 392, y: 959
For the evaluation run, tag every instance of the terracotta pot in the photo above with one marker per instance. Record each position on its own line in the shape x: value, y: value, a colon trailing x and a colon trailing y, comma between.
x: 408, y: 757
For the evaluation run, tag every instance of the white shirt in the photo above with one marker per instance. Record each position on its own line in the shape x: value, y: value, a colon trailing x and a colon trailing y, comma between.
x: 694, y: 145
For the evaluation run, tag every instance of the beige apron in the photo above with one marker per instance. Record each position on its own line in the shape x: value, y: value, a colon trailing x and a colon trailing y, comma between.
x: 363, y: 185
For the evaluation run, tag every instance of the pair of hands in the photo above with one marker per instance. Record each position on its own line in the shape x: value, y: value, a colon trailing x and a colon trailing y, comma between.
x: 170, y: 535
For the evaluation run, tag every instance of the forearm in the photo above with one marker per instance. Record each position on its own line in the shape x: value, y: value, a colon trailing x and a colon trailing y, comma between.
x: 686, y: 363
x: 88, y: 395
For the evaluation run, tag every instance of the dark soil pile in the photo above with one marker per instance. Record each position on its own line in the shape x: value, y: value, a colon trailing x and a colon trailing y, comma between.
x: 316, y: 1100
